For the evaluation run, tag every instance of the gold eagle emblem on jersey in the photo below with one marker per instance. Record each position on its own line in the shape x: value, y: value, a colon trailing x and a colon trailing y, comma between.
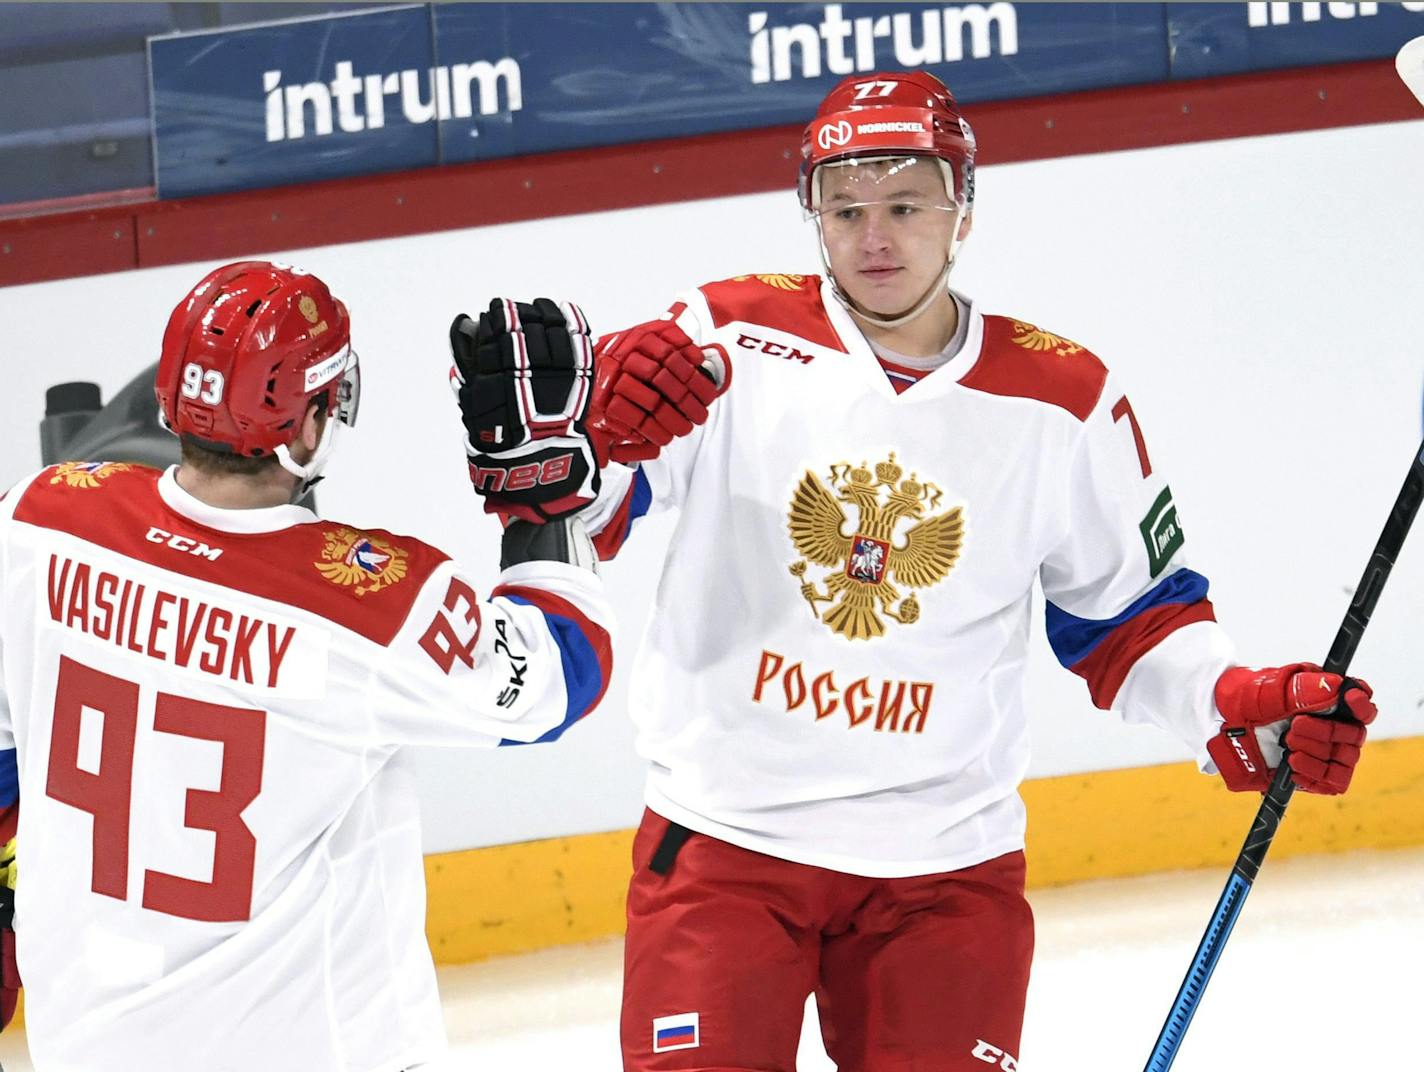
x: 86, y: 474
x: 863, y: 558
x: 363, y: 563
x: 780, y: 282
x: 1032, y: 338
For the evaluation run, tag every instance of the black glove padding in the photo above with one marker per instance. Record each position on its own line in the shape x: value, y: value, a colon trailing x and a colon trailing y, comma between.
x: 524, y: 375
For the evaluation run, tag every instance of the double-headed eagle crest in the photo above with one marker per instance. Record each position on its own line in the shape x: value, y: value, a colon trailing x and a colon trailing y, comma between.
x: 86, y: 474
x: 859, y: 586
x: 350, y: 558
x: 779, y: 281
x: 1033, y: 338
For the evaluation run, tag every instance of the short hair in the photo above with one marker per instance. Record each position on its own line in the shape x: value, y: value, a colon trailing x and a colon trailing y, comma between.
x: 226, y: 463
x: 222, y: 462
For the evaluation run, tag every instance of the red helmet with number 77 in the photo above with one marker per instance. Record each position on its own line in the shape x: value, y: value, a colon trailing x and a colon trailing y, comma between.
x: 889, y: 113
x: 871, y: 124
x: 246, y: 353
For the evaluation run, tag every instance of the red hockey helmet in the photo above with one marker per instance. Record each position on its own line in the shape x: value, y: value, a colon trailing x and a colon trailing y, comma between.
x: 889, y: 113
x: 246, y: 352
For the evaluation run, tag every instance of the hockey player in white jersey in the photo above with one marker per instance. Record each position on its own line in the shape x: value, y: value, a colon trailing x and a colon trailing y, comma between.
x: 872, y: 475
x: 208, y: 692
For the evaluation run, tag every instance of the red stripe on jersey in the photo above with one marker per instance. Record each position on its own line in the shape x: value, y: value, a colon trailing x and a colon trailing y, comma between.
x: 788, y: 303
x: 1020, y: 361
x: 285, y: 566
x: 1107, y: 667
x: 608, y: 542
x: 598, y: 638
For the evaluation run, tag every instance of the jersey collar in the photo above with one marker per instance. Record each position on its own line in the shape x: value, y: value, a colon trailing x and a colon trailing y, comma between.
x: 936, y: 383
x: 261, y: 519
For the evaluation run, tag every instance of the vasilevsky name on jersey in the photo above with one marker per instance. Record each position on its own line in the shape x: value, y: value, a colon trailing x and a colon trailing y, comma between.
x: 220, y: 831
x: 833, y: 670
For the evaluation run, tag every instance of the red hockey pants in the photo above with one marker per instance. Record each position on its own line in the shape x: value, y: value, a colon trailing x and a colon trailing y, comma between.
x: 921, y: 974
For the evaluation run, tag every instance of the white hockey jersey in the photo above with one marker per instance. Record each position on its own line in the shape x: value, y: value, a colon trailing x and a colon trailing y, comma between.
x: 220, y: 839
x: 833, y: 670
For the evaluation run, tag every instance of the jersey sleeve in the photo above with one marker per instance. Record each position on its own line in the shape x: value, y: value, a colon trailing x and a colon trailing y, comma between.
x: 648, y: 488
x: 1124, y: 609
x: 517, y: 667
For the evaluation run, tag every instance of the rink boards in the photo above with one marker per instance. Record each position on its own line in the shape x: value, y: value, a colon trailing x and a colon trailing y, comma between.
x: 515, y: 898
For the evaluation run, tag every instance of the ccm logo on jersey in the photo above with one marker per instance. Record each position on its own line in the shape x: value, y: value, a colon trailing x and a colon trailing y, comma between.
x: 183, y: 543
x: 522, y: 477
x: 992, y: 1054
x: 774, y: 349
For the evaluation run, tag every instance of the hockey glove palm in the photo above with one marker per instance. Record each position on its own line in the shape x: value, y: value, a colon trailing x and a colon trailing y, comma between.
x: 653, y: 385
x: 1328, y: 715
x: 523, y: 375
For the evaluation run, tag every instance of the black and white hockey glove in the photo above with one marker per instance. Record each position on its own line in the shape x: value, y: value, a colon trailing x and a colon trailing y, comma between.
x: 523, y: 374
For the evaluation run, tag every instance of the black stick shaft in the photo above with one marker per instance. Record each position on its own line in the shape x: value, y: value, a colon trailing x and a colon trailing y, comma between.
x: 1278, y: 797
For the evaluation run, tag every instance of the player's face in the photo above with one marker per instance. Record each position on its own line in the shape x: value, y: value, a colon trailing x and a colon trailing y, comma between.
x: 886, y: 228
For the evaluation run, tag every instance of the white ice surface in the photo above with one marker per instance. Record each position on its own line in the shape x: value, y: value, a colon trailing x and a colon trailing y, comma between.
x: 1323, y: 972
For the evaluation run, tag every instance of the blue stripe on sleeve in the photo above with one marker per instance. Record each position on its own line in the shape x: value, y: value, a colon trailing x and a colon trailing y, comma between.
x: 583, y: 674
x: 9, y: 778
x: 642, y: 499
x: 1073, y: 639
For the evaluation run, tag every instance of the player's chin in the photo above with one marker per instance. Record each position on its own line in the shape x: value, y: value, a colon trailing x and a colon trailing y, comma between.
x: 884, y: 295
x: 882, y: 304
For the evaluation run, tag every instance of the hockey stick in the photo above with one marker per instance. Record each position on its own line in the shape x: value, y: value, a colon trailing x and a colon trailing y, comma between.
x: 1410, y: 64
x: 1273, y: 806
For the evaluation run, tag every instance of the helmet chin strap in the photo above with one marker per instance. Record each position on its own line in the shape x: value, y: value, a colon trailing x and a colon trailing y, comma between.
x: 309, y: 475
x: 939, y: 286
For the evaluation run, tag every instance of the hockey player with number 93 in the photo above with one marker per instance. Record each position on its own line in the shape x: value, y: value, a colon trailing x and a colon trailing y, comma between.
x: 207, y: 694
x: 873, y: 474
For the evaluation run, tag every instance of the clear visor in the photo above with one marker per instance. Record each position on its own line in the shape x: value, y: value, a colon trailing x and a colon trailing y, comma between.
x: 901, y: 190
x: 348, y: 390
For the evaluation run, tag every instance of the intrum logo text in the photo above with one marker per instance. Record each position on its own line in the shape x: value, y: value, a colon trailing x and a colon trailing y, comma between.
x: 1277, y: 14
x: 456, y: 92
x: 838, y: 45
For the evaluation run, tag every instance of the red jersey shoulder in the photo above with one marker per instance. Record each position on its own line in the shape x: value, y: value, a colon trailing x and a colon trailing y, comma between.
x: 364, y: 580
x: 86, y: 485
x: 363, y: 562
x: 1020, y: 360
x: 788, y: 303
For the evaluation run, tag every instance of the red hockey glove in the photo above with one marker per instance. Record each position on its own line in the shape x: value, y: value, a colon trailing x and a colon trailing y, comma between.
x: 1328, y: 715
x: 652, y: 384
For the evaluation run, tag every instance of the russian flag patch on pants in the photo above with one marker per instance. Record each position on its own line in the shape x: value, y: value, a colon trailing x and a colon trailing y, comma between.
x: 678, y: 1032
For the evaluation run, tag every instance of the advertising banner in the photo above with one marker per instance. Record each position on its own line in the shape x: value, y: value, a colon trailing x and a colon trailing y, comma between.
x: 290, y: 102
x: 1217, y: 39
x: 419, y: 85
